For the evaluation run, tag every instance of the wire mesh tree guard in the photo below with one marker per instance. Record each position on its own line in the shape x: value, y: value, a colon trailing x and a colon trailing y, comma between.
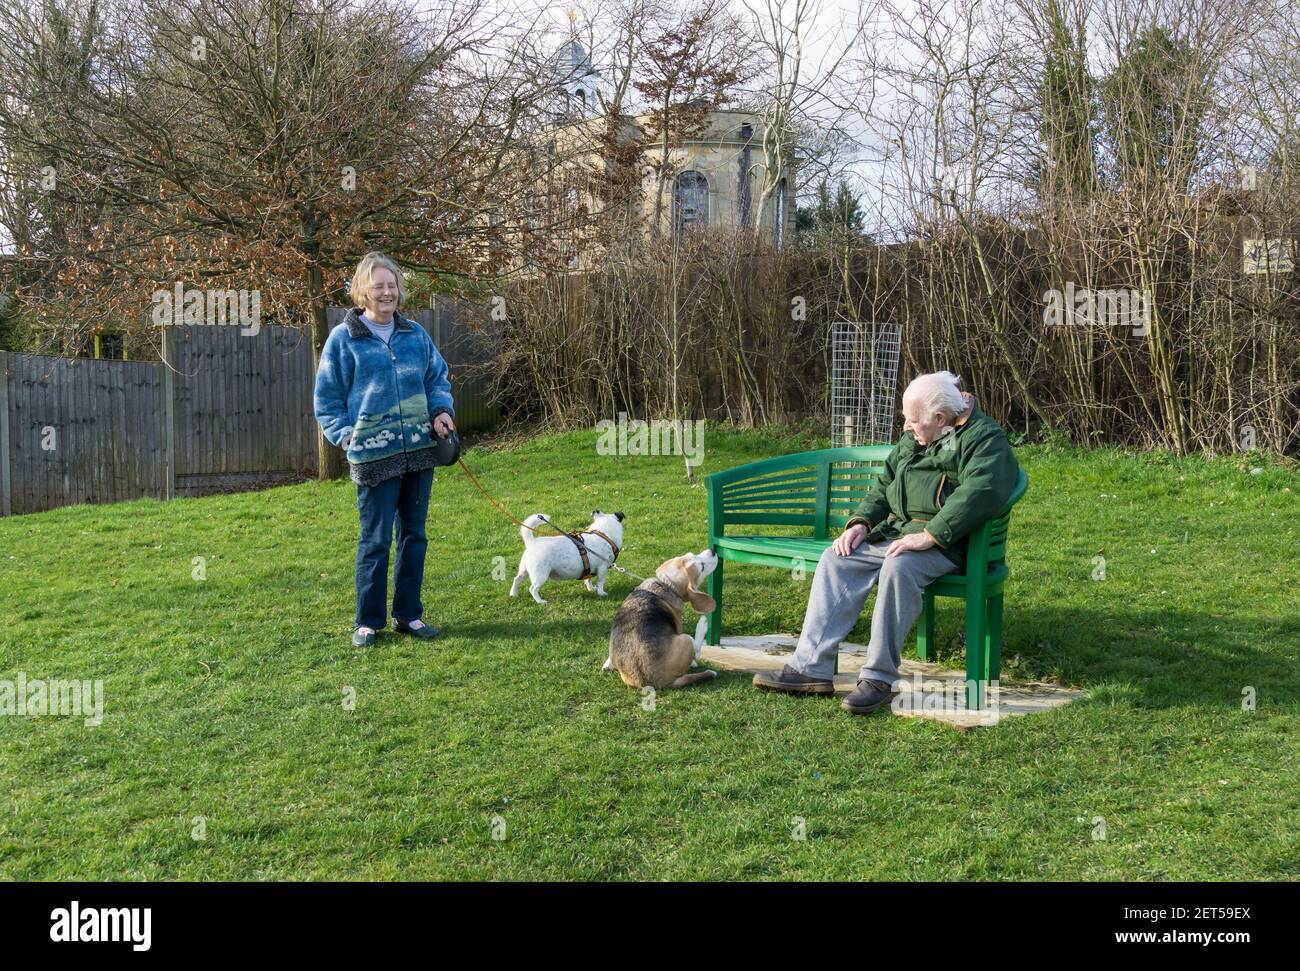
x: 864, y: 378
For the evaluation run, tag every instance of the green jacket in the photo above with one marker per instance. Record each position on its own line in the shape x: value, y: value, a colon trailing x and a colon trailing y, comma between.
x: 950, y: 487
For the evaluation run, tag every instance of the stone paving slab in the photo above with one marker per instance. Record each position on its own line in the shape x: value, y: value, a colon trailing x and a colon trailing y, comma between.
x: 942, y: 692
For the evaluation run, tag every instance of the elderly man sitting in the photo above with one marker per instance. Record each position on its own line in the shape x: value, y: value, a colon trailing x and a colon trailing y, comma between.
x: 951, y: 471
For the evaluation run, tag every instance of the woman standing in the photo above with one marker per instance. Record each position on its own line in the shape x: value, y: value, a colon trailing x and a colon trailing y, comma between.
x: 382, y: 393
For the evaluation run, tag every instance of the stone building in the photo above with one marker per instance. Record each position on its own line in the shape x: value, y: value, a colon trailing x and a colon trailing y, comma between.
x: 715, y: 177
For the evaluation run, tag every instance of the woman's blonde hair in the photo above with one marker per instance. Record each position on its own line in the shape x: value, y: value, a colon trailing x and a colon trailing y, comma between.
x: 365, y: 271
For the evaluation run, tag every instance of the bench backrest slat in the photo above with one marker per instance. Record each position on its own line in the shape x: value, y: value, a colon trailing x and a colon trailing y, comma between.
x: 808, y: 505
x: 819, y: 489
x: 779, y: 480
x: 776, y: 491
x: 772, y: 519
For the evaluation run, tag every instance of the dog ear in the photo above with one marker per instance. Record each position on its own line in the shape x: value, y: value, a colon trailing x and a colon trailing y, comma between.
x: 702, y: 602
x: 619, y: 516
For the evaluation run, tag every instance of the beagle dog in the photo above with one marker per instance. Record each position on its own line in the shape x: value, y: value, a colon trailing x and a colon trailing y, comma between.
x: 646, y: 644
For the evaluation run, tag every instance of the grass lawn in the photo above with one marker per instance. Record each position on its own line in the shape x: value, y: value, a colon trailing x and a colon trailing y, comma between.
x: 224, y: 697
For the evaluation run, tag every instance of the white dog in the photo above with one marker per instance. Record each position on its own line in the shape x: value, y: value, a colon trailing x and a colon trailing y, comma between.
x: 557, y: 556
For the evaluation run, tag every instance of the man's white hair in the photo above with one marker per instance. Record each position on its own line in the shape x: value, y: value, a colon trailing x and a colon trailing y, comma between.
x: 938, y: 392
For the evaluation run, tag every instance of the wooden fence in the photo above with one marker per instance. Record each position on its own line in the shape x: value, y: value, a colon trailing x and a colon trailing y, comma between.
x: 470, y: 341
x: 222, y: 411
x: 78, y: 431
x: 241, y: 407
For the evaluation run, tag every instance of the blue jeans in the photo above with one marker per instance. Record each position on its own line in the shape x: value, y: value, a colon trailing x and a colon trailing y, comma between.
x: 403, y: 499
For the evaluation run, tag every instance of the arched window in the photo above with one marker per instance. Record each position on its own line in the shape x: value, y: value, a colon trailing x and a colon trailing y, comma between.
x: 690, y: 200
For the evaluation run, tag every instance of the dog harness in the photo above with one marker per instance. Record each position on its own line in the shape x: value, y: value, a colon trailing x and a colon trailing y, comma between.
x: 583, y: 551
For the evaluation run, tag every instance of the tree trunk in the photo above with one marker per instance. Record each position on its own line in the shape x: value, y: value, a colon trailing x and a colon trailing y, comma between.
x: 330, y: 460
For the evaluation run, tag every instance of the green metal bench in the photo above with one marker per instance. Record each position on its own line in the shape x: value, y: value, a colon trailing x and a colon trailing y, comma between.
x: 821, y: 489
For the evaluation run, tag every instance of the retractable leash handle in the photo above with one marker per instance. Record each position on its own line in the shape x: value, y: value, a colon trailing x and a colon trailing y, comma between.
x: 446, y: 450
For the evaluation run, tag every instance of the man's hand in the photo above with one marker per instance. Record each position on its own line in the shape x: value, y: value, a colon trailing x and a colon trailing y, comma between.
x: 443, y: 425
x: 912, y: 541
x: 849, y: 540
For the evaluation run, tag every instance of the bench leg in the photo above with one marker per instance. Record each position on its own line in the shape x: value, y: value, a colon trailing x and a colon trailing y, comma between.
x: 925, y: 629
x: 713, y: 587
x: 993, y: 639
x: 975, y: 628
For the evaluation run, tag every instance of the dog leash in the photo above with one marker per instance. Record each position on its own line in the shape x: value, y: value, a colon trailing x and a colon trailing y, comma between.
x: 478, y: 485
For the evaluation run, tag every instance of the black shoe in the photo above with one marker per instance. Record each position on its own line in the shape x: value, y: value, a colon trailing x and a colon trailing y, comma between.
x: 362, y: 640
x: 793, y: 683
x: 868, y: 696
x: 404, y: 627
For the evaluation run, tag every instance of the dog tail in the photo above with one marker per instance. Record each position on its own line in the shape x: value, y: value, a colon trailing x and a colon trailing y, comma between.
x: 530, y: 525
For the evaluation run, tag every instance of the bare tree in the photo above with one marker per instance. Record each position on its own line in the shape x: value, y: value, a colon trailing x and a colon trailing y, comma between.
x: 798, y: 99
x: 690, y: 64
x: 266, y: 144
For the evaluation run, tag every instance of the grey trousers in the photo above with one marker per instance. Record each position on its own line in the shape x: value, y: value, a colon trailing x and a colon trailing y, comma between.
x: 839, y: 590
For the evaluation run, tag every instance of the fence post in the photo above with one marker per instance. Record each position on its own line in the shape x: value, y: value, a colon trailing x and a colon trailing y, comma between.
x: 6, y: 480
x: 168, y: 420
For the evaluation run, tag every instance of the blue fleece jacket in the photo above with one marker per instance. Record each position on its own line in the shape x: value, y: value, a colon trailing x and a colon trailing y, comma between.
x: 379, y: 400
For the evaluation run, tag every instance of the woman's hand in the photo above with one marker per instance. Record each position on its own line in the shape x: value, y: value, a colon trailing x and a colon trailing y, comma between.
x: 849, y: 540
x: 912, y: 541
x: 443, y: 425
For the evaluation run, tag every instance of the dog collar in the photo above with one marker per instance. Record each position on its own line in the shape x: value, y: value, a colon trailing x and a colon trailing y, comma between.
x: 668, y: 589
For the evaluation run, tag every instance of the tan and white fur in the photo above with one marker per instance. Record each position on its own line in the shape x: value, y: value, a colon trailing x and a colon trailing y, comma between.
x: 646, y: 645
x: 556, y: 556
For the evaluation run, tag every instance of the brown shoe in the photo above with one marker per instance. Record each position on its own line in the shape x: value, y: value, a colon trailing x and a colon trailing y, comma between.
x: 793, y: 683
x: 868, y: 696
